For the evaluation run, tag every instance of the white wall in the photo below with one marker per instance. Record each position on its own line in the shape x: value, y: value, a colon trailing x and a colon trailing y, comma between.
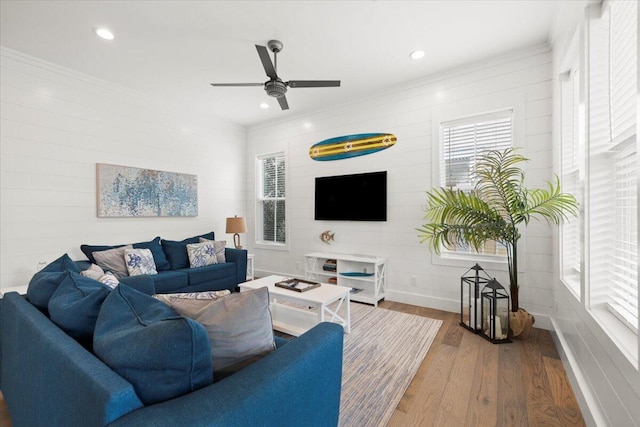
x: 411, y: 112
x: 606, y: 383
x: 57, y: 124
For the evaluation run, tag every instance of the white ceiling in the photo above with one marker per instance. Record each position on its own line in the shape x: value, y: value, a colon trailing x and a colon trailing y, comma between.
x: 174, y: 49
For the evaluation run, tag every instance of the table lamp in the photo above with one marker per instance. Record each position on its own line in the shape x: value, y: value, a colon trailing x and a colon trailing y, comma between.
x: 236, y: 225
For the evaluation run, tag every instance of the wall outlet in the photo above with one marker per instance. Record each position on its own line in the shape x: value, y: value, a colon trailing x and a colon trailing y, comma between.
x: 413, y: 281
x: 41, y: 265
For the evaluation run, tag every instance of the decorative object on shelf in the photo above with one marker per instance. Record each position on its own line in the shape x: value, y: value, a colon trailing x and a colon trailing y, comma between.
x: 327, y: 237
x: 470, y: 284
x: 297, y: 285
x: 330, y: 265
x: 357, y: 274
x: 495, y: 313
x: 492, y: 212
x: 235, y: 226
x: 344, y: 147
x: 124, y: 191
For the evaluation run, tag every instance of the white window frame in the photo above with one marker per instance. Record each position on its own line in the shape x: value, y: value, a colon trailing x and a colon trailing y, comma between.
x: 259, y: 241
x: 572, y: 164
x: 451, y: 112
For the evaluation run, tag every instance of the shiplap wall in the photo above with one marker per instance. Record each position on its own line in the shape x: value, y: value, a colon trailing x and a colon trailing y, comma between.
x: 412, y: 113
x: 57, y: 124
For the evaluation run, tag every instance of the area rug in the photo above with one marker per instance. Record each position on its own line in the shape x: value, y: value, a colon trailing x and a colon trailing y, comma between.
x: 381, y: 356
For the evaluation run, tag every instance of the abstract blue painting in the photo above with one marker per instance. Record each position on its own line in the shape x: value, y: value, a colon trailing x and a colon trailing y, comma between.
x: 125, y: 191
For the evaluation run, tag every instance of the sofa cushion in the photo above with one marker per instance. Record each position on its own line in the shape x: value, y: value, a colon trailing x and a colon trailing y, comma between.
x: 74, y: 306
x: 220, y: 247
x: 159, y: 258
x: 170, y: 281
x: 201, y: 254
x: 113, y: 260
x: 154, y: 245
x: 210, y: 273
x: 239, y: 327
x: 88, y: 250
x: 45, y: 282
x: 176, y: 252
x: 139, y: 261
x: 162, y: 354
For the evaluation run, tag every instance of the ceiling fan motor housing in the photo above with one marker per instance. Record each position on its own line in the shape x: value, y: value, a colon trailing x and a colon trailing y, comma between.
x: 275, y: 88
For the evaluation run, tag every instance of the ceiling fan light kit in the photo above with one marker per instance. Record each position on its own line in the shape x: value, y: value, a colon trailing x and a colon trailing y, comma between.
x: 275, y: 86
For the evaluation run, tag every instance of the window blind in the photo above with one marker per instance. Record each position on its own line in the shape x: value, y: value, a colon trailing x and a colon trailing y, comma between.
x: 463, y: 141
x: 272, y: 199
x: 571, y: 138
x: 613, y: 163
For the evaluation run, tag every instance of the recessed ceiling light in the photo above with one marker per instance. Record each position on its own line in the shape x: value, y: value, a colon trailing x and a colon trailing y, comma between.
x: 264, y: 105
x: 103, y: 33
x: 306, y: 125
x: 417, y: 54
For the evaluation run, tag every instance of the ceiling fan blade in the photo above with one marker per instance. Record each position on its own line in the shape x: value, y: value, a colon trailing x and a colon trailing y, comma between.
x: 266, y: 61
x: 283, y: 102
x: 313, y: 83
x: 237, y: 84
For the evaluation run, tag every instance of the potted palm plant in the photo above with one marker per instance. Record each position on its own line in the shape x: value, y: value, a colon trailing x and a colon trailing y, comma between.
x: 493, y: 211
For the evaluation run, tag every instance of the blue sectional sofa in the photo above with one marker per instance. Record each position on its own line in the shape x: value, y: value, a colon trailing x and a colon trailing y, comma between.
x: 172, y: 263
x: 50, y: 379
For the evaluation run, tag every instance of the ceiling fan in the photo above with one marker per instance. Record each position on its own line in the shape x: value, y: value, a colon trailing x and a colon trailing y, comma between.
x: 275, y: 86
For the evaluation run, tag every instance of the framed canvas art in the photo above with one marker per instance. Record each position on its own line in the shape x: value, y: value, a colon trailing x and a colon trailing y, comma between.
x: 124, y: 191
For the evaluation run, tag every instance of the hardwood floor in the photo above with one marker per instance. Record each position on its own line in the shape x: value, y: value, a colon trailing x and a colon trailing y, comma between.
x: 466, y: 381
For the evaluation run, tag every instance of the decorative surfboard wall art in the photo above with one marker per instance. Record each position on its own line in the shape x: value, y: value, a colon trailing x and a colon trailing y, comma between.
x: 343, y: 147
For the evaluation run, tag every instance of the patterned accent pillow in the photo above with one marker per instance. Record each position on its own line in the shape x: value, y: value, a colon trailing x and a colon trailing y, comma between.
x: 207, y: 295
x: 139, y: 261
x: 109, y: 280
x: 219, y: 246
x: 201, y: 254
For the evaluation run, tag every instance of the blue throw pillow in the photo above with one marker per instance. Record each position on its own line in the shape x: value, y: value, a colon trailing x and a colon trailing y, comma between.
x: 162, y: 354
x: 74, y: 306
x: 159, y: 258
x: 176, y: 252
x: 45, y: 282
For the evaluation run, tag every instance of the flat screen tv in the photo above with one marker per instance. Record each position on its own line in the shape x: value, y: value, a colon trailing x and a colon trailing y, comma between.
x: 359, y: 197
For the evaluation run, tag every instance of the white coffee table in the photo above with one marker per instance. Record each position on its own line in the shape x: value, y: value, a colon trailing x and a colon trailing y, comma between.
x: 312, y: 306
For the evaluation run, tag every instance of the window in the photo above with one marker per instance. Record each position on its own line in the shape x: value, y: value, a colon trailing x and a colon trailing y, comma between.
x: 462, y: 142
x: 613, y: 161
x: 271, y: 200
x: 572, y: 140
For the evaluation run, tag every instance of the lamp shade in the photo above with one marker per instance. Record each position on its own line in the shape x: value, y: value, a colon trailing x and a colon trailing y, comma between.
x: 236, y: 224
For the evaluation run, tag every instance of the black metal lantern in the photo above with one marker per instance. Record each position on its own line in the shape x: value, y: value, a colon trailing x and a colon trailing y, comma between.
x: 470, y: 283
x: 495, y: 312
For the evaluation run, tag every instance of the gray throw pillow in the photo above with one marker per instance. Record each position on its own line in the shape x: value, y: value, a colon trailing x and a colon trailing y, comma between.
x: 239, y: 327
x: 113, y: 260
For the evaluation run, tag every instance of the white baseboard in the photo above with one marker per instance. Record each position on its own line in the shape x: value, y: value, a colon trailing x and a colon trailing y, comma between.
x: 589, y: 405
x: 542, y: 321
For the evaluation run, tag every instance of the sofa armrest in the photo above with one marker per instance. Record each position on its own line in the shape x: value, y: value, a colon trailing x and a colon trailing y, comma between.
x: 298, y: 384
x: 239, y: 258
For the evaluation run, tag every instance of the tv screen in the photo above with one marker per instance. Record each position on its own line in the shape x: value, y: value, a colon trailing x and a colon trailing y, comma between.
x: 359, y: 197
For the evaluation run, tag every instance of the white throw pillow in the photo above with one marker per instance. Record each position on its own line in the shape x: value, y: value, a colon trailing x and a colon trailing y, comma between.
x: 201, y: 254
x: 108, y: 279
x: 139, y: 261
x: 219, y: 246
